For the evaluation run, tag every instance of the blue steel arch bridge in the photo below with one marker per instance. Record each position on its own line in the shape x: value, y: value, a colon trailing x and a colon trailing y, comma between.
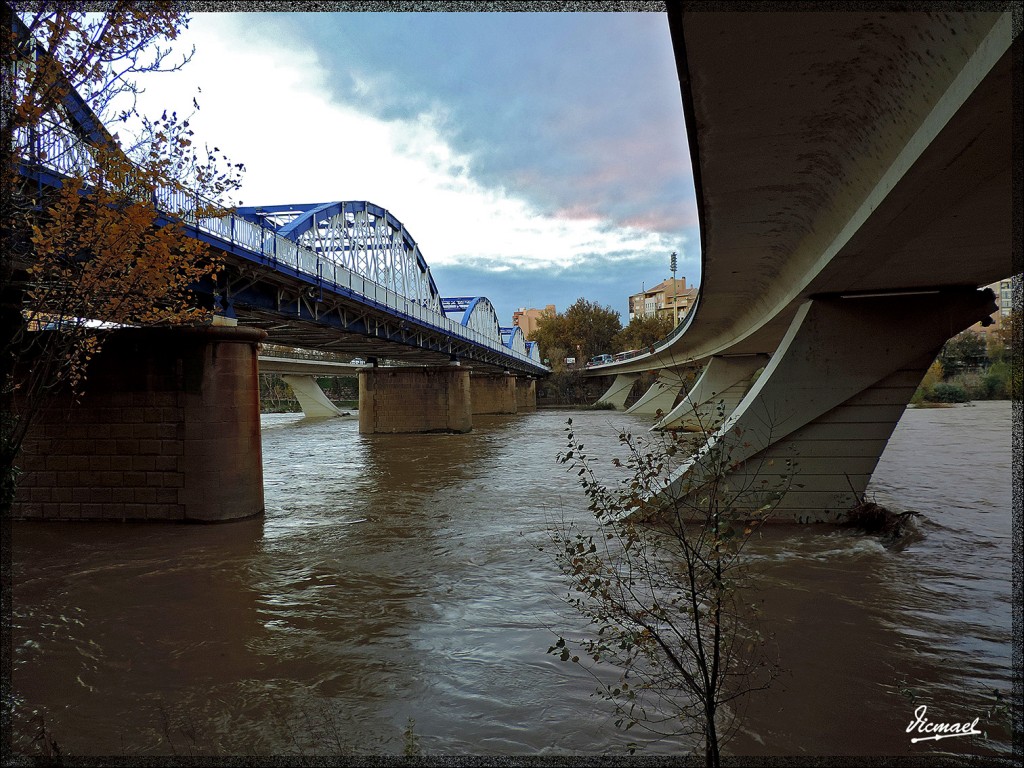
x: 338, y: 276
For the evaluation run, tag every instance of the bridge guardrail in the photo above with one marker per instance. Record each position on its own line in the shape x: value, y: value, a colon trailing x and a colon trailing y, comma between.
x: 59, y: 150
x: 289, y: 253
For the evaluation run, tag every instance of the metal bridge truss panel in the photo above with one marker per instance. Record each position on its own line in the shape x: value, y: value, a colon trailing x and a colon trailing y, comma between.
x: 533, y: 351
x: 807, y: 437
x: 359, y: 236
x: 662, y: 394
x: 476, y: 313
x: 619, y: 391
x: 283, y: 282
x: 514, y: 339
x: 716, y: 394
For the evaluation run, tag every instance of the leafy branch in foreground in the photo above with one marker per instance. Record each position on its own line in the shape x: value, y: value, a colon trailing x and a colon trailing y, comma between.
x: 91, y: 232
x: 662, y: 580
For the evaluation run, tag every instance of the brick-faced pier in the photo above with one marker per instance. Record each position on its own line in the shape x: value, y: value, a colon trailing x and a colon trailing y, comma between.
x: 168, y: 428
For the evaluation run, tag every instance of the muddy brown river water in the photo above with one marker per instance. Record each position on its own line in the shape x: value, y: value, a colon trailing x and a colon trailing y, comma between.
x: 397, y: 578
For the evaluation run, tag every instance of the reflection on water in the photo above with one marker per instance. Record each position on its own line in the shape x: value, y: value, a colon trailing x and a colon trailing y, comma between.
x: 398, y: 577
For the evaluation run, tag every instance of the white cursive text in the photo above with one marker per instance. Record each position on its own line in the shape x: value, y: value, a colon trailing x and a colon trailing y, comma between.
x: 939, y: 730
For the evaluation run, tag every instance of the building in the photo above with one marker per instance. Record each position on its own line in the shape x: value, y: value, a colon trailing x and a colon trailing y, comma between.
x: 668, y: 298
x: 1004, y: 300
x: 527, y: 319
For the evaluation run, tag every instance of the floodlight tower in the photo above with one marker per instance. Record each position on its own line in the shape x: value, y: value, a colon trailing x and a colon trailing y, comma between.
x: 675, y: 311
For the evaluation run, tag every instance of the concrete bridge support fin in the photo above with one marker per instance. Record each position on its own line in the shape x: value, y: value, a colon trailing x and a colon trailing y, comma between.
x: 619, y: 390
x: 315, y: 404
x: 661, y: 396
x: 415, y: 399
x: 716, y: 394
x: 828, y: 402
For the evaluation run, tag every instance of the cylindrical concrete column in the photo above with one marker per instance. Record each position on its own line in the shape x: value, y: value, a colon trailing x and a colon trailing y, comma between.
x: 168, y: 428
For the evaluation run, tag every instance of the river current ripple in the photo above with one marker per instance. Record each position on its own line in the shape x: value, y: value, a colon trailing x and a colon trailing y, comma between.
x: 398, y: 578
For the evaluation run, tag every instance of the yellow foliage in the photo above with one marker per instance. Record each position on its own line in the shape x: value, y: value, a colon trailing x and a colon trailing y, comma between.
x: 101, y: 252
x: 111, y: 244
x: 932, y: 376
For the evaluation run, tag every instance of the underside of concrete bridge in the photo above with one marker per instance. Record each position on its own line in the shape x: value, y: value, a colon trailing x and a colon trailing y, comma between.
x: 854, y: 178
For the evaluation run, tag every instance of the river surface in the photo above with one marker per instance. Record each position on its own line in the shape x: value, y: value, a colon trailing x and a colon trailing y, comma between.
x: 394, y: 597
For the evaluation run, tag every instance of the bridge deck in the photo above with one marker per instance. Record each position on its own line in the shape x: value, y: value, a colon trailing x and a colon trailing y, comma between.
x: 865, y: 152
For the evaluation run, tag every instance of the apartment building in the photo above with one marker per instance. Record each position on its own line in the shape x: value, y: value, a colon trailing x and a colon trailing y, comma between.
x: 527, y: 319
x: 671, y: 297
x: 1004, y: 300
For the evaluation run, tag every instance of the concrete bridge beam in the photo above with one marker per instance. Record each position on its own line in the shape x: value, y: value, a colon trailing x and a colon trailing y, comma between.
x: 716, y: 394
x: 619, y: 391
x: 415, y: 399
x: 827, y: 402
x: 314, y: 403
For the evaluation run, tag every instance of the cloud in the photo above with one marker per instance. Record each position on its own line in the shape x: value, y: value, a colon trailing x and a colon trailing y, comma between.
x: 275, y: 96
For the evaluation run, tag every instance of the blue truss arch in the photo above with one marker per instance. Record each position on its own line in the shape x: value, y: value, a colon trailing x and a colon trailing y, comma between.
x: 358, y: 235
x: 337, y: 275
x: 476, y: 313
x: 533, y: 351
x: 514, y: 339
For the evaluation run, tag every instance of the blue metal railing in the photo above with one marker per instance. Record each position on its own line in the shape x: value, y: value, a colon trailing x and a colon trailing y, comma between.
x: 61, y: 151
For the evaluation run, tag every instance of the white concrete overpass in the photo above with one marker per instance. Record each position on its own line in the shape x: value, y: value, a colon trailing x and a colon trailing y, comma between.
x: 854, y: 176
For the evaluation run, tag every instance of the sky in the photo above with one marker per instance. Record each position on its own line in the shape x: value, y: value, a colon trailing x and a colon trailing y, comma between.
x: 535, y: 157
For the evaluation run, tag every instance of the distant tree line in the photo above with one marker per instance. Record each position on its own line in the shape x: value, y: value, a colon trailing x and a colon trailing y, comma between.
x: 587, y: 329
x: 972, y: 367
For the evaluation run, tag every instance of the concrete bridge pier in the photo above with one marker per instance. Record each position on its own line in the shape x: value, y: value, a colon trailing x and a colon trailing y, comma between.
x: 167, y: 428
x: 716, y: 394
x: 526, y: 395
x: 619, y: 391
x: 661, y: 396
x: 314, y: 403
x: 813, y: 426
x: 415, y: 399
x: 493, y: 393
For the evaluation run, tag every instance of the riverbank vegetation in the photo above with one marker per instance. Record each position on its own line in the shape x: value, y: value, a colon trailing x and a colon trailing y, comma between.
x: 98, y: 249
x: 970, y: 367
x: 587, y: 329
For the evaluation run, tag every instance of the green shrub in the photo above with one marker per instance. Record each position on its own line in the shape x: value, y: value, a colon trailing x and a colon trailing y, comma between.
x: 997, y: 381
x: 948, y: 393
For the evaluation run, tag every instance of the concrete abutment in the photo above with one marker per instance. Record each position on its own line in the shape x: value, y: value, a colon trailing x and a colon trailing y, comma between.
x: 526, y: 395
x: 493, y: 393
